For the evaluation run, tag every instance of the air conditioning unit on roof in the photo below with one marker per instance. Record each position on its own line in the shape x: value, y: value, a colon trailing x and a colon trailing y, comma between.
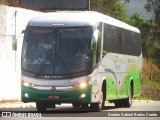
x: 56, y: 4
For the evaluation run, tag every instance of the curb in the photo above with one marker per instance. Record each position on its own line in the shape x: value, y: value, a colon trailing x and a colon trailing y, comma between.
x: 144, y: 101
x: 17, y: 105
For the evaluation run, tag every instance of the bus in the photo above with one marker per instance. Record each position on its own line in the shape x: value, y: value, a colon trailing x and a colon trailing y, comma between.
x: 83, y: 58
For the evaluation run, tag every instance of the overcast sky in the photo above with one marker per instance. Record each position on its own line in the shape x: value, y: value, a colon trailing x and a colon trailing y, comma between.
x: 137, y: 6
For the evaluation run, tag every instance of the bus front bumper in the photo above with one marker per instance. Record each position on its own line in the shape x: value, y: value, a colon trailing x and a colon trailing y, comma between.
x: 74, y: 96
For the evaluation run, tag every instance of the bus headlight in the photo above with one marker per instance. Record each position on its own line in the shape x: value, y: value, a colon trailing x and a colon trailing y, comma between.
x: 26, y: 84
x: 82, y: 85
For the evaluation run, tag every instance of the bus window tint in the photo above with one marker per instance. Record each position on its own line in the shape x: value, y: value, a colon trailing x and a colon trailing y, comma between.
x: 71, y: 41
x: 132, y: 43
x: 108, y: 43
x: 119, y: 40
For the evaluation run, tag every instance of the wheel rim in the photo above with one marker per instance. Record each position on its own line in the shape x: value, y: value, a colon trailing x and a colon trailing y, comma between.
x: 101, y: 100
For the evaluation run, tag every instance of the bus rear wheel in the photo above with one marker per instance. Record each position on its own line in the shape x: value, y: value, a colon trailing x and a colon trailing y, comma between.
x: 125, y: 102
x: 128, y: 102
x: 118, y: 104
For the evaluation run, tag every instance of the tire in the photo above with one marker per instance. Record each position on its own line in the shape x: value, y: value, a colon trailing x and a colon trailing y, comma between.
x: 125, y: 102
x: 128, y: 102
x: 41, y: 106
x: 84, y: 105
x: 51, y: 105
x: 118, y: 104
x: 97, y: 107
x: 75, y: 105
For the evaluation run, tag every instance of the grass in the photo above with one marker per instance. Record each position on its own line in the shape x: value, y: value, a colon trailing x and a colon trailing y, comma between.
x: 151, y: 83
x: 141, y: 98
x: 150, y: 89
x: 150, y: 72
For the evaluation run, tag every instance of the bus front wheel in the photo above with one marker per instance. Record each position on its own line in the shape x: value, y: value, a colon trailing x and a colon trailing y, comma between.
x: 97, y: 107
x: 75, y: 105
x: 41, y: 106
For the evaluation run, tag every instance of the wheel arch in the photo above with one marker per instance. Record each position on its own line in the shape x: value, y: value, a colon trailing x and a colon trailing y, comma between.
x: 131, y: 85
x: 104, y: 88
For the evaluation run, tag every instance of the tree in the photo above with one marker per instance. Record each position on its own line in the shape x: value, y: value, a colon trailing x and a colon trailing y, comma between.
x: 137, y: 21
x: 154, y: 6
x: 150, y: 47
x: 111, y: 8
x: 15, y: 2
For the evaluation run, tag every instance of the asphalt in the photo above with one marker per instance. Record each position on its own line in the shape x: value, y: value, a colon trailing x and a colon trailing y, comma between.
x: 30, y: 105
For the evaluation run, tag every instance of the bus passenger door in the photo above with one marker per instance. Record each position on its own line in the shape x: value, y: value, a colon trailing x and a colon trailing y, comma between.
x: 119, y: 84
x: 119, y: 60
x: 112, y: 64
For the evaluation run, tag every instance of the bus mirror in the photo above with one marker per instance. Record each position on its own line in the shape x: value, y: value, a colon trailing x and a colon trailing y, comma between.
x: 23, y: 31
x: 104, y: 53
x: 14, y: 42
x: 94, y: 40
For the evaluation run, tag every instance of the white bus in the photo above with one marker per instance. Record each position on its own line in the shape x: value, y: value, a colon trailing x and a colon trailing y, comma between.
x: 83, y: 58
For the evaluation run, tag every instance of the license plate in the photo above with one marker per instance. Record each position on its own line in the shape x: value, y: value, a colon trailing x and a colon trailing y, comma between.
x: 53, y: 96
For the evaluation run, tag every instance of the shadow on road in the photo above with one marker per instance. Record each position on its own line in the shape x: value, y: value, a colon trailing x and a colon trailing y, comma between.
x: 76, y: 110
x: 64, y: 111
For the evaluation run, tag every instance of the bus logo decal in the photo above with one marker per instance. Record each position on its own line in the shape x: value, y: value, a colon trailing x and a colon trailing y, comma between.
x: 53, y: 88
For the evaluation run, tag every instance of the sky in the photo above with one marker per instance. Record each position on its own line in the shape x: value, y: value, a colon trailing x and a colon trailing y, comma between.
x: 137, y: 6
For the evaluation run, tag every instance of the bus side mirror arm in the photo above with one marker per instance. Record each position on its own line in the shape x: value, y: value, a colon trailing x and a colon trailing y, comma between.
x: 23, y: 31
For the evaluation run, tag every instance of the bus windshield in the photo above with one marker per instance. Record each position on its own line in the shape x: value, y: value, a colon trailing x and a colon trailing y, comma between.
x: 56, y: 51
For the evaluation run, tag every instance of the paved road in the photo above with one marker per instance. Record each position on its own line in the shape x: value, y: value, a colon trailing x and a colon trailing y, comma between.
x: 66, y: 111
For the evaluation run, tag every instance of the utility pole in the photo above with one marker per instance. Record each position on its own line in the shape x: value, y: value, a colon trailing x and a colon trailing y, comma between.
x: 97, y: 4
x: 89, y: 4
x: 15, y: 40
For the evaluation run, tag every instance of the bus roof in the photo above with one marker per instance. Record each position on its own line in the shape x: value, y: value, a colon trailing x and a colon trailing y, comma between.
x: 77, y: 18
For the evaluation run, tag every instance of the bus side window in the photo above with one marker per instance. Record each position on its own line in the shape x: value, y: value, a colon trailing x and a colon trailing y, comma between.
x: 107, y: 40
x: 122, y: 42
x: 115, y: 38
x: 132, y: 43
